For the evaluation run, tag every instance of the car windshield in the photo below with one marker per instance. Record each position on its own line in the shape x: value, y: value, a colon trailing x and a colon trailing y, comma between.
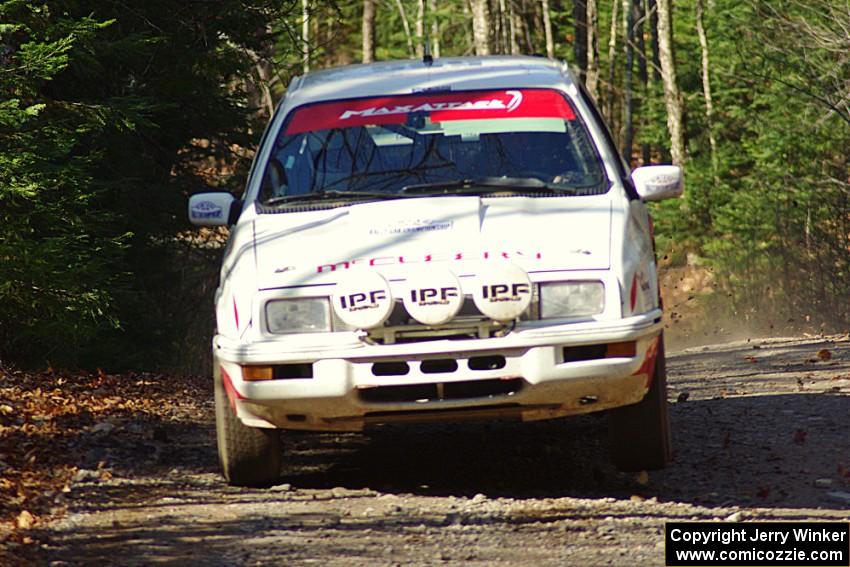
x: 485, y: 140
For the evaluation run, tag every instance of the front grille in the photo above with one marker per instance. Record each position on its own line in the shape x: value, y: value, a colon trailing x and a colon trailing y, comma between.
x: 438, y: 366
x: 466, y: 390
x: 479, y: 363
x: 394, y: 368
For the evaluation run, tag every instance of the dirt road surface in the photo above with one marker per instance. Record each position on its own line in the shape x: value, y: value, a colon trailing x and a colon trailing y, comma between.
x: 762, y: 431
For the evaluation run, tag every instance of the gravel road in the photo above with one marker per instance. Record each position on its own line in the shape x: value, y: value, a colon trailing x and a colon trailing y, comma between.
x: 760, y: 433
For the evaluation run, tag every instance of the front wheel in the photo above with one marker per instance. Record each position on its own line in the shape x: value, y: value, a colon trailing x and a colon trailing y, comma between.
x: 249, y: 456
x: 640, y: 433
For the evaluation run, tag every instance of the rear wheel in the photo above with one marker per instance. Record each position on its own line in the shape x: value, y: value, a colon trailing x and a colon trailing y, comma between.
x: 249, y: 456
x: 640, y: 433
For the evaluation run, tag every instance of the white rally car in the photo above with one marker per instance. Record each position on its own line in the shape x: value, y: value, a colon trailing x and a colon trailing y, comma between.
x: 432, y: 241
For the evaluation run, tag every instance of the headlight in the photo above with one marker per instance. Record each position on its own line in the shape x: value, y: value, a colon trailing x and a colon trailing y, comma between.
x: 286, y: 316
x: 571, y: 299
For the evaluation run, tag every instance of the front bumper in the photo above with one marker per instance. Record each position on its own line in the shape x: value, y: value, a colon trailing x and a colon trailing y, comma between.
x: 523, y: 375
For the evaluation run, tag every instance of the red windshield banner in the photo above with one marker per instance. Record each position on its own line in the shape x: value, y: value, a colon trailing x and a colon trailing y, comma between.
x: 439, y: 107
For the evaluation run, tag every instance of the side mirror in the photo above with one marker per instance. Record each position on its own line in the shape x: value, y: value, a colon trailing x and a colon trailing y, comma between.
x: 213, y: 209
x: 658, y: 182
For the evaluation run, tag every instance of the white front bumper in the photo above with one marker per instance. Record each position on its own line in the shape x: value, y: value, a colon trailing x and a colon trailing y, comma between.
x: 343, y: 368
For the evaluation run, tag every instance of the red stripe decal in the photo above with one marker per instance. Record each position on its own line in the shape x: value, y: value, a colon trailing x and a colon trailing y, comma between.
x: 648, y: 366
x: 236, y: 313
x: 441, y: 107
x: 232, y: 393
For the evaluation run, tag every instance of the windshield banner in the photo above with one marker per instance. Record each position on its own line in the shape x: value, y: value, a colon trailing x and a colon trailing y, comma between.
x: 479, y: 105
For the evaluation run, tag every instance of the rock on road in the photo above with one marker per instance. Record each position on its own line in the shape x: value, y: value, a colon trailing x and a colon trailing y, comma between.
x: 760, y: 432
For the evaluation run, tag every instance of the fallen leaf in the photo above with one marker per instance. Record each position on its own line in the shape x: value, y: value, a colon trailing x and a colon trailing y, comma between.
x: 25, y: 520
x: 800, y: 436
x: 824, y: 354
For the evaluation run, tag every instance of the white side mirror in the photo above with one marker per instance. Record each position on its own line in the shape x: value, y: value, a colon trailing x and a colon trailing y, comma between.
x: 657, y: 182
x: 210, y: 209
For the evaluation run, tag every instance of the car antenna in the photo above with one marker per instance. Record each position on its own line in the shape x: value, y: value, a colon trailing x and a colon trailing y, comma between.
x: 426, y: 53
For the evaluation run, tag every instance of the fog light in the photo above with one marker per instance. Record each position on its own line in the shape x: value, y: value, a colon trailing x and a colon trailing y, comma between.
x: 255, y: 373
x: 621, y: 350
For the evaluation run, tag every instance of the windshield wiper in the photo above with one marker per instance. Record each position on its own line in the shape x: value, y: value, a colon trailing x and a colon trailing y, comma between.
x: 484, y: 185
x: 330, y: 196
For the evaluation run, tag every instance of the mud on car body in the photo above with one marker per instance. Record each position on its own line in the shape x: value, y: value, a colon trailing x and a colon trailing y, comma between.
x: 435, y: 242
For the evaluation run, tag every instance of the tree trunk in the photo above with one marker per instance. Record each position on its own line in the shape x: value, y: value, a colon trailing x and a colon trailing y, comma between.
x: 592, y: 75
x: 547, y: 28
x: 420, y: 28
x: 628, y: 109
x: 672, y: 99
x: 368, y: 31
x: 706, y: 86
x: 652, y: 16
x: 406, y: 25
x: 480, y: 26
x: 612, y: 62
x: 504, y: 26
x: 305, y: 34
x: 435, y: 28
x: 643, y: 75
x: 516, y: 24
x: 467, y: 32
x: 580, y: 32
x: 526, y: 23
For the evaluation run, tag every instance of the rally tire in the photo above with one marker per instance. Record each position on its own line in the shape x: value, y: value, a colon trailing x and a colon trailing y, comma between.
x: 640, y: 433
x: 249, y: 456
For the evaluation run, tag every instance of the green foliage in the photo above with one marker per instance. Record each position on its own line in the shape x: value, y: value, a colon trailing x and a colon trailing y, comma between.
x: 104, y: 106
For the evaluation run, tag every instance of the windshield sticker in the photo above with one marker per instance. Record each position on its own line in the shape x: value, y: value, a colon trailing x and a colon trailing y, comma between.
x: 412, y: 227
x: 439, y: 108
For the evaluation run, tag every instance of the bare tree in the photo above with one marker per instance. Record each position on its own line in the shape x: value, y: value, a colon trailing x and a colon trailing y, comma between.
x: 628, y: 99
x: 526, y: 23
x: 672, y: 97
x: 815, y: 48
x: 467, y: 32
x: 504, y: 26
x: 368, y: 31
x: 305, y: 34
x: 706, y: 85
x: 405, y: 23
x: 435, y: 28
x: 420, y: 28
x: 480, y: 26
x: 652, y: 17
x: 580, y: 33
x: 515, y: 26
x: 592, y: 74
x: 612, y: 60
x: 643, y: 72
x: 547, y: 28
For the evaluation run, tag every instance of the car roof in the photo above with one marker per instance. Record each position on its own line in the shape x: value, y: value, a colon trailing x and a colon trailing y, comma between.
x: 410, y: 76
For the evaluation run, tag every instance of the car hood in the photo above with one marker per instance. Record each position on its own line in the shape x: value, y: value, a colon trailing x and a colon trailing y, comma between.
x: 540, y: 234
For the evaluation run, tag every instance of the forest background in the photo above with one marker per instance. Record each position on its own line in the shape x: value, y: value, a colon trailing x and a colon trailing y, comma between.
x: 113, y: 112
